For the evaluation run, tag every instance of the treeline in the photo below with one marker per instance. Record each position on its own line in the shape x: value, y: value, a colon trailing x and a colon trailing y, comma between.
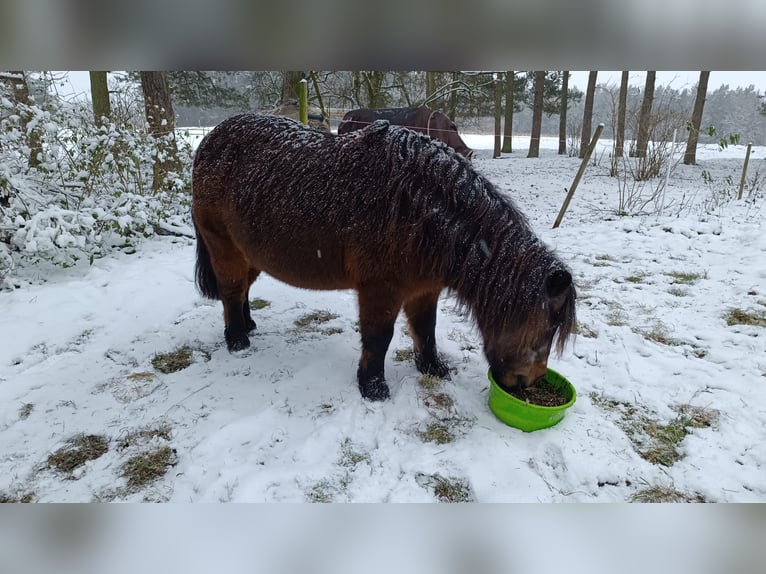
x: 205, y: 98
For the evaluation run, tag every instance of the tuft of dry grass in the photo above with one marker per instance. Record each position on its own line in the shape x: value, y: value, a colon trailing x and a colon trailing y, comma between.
x: 145, y: 468
x: 685, y: 278
x: 657, y: 494
x: 144, y: 435
x: 77, y: 451
x: 737, y: 316
x: 311, y: 321
x: 257, y: 304
x: 437, y: 432
x: 430, y: 383
x: 403, y: 355
x: 26, y: 410
x: 25, y: 498
x: 174, y: 361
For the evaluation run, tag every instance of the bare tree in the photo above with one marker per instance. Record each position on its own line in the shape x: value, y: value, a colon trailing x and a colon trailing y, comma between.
x: 690, y: 157
x: 622, y: 107
x: 537, y: 115
x: 563, y: 113
x: 642, y: 139
x: 161, y: 120
x: 508, y: 127
x: 99, y: 94
x: 587, y: 115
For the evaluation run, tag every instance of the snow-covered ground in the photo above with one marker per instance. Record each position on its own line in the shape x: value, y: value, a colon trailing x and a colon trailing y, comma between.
x: 284, y: 420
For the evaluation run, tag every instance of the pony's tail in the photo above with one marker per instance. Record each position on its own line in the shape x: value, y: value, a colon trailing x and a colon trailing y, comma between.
x: 203, y: 270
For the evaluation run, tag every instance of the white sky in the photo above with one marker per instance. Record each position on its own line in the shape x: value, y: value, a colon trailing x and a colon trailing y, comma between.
x: 79, y: 83
x: 678, y: 80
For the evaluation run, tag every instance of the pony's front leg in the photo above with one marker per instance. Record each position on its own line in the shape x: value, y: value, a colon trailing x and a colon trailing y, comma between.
x: 421, y: 316
x: 378, y: 308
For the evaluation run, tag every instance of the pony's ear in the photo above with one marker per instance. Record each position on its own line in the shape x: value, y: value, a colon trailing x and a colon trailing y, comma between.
x: 557, y: 283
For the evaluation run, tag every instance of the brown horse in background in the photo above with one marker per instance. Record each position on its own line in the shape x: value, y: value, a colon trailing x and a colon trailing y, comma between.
x: 433, y: 123
x: 389, y: 213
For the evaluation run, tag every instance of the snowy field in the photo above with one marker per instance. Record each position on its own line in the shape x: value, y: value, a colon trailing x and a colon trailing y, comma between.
x: 671, y: 399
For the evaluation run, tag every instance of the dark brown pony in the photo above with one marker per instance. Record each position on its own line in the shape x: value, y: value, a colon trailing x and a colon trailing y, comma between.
x: 389, y: 213
x: 433, y: 123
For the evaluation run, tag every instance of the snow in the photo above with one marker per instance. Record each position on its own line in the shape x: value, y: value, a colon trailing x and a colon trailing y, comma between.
x: 284, y: 420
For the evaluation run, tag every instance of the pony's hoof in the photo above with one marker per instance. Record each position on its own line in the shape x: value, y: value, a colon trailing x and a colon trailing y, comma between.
x: 249, y: 325
x: 436, y: 367
x: 237, y: 343
x: 374, y: 389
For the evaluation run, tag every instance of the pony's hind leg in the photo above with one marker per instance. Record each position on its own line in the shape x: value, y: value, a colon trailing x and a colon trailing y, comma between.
x: 378, y: 308
x: 421, y: 316
x: 232, y: 274
x: 252, y: 275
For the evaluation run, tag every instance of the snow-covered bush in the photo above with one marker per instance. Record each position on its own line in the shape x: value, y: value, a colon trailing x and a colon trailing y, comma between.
x: 90, y: 193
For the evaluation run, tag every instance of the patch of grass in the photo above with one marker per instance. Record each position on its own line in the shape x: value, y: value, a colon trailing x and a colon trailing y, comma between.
x: 737, y: 316
x: 637, y: 278
x: 655, y: 442
x: 321, y: 492
x: 439, y: 401
x: 438, y: 432
x: 257, y: 304
x: 617, y: 318
x: 403, y: 355
x: 430, y: 382
x: 586, y: 331
x: 26, y: 410
x: 143, y: 469
x: 659, y: 334
x: 144, y: 435
x: 678, y: 292
x: 331, y: 331
x: 311, y: 321
x: 143, y: 377
x: 685, y: 278
x: 452, y: 490
x: 446, y: 489
x: 25, y: 498
x: 174, y: 361
x: 656, y: 494
x: 77, y: 451
x: 350, y: 456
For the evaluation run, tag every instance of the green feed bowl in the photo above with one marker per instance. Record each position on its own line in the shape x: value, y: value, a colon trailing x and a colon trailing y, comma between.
x: 526, y: 416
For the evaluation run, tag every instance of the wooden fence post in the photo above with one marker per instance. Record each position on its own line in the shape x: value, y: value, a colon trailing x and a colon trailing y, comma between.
x: 744, y: 170
x: 303, y: 106
x: 576, y: 181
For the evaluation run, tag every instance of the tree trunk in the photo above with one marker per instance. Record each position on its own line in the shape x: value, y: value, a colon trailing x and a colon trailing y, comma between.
x: 161, y: 120
x: 508, y: 127
x: 430, y: 87
x: 642, y: 140
x: 537, y: 115
x: 622, y: 107
x: 17, y: 82
x: 290, y: 83
x: 452, y: 112
x: 587, y: 115
x: 563, y: 113
x: 498, y: 113
x: 99, y: 94
x: 690, y: 157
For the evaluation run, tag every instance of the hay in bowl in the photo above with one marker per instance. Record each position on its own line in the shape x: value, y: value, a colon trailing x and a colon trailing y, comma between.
x: 525, y: 414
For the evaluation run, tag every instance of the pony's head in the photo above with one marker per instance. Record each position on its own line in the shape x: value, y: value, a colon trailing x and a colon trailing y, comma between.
x: 518, y: 352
